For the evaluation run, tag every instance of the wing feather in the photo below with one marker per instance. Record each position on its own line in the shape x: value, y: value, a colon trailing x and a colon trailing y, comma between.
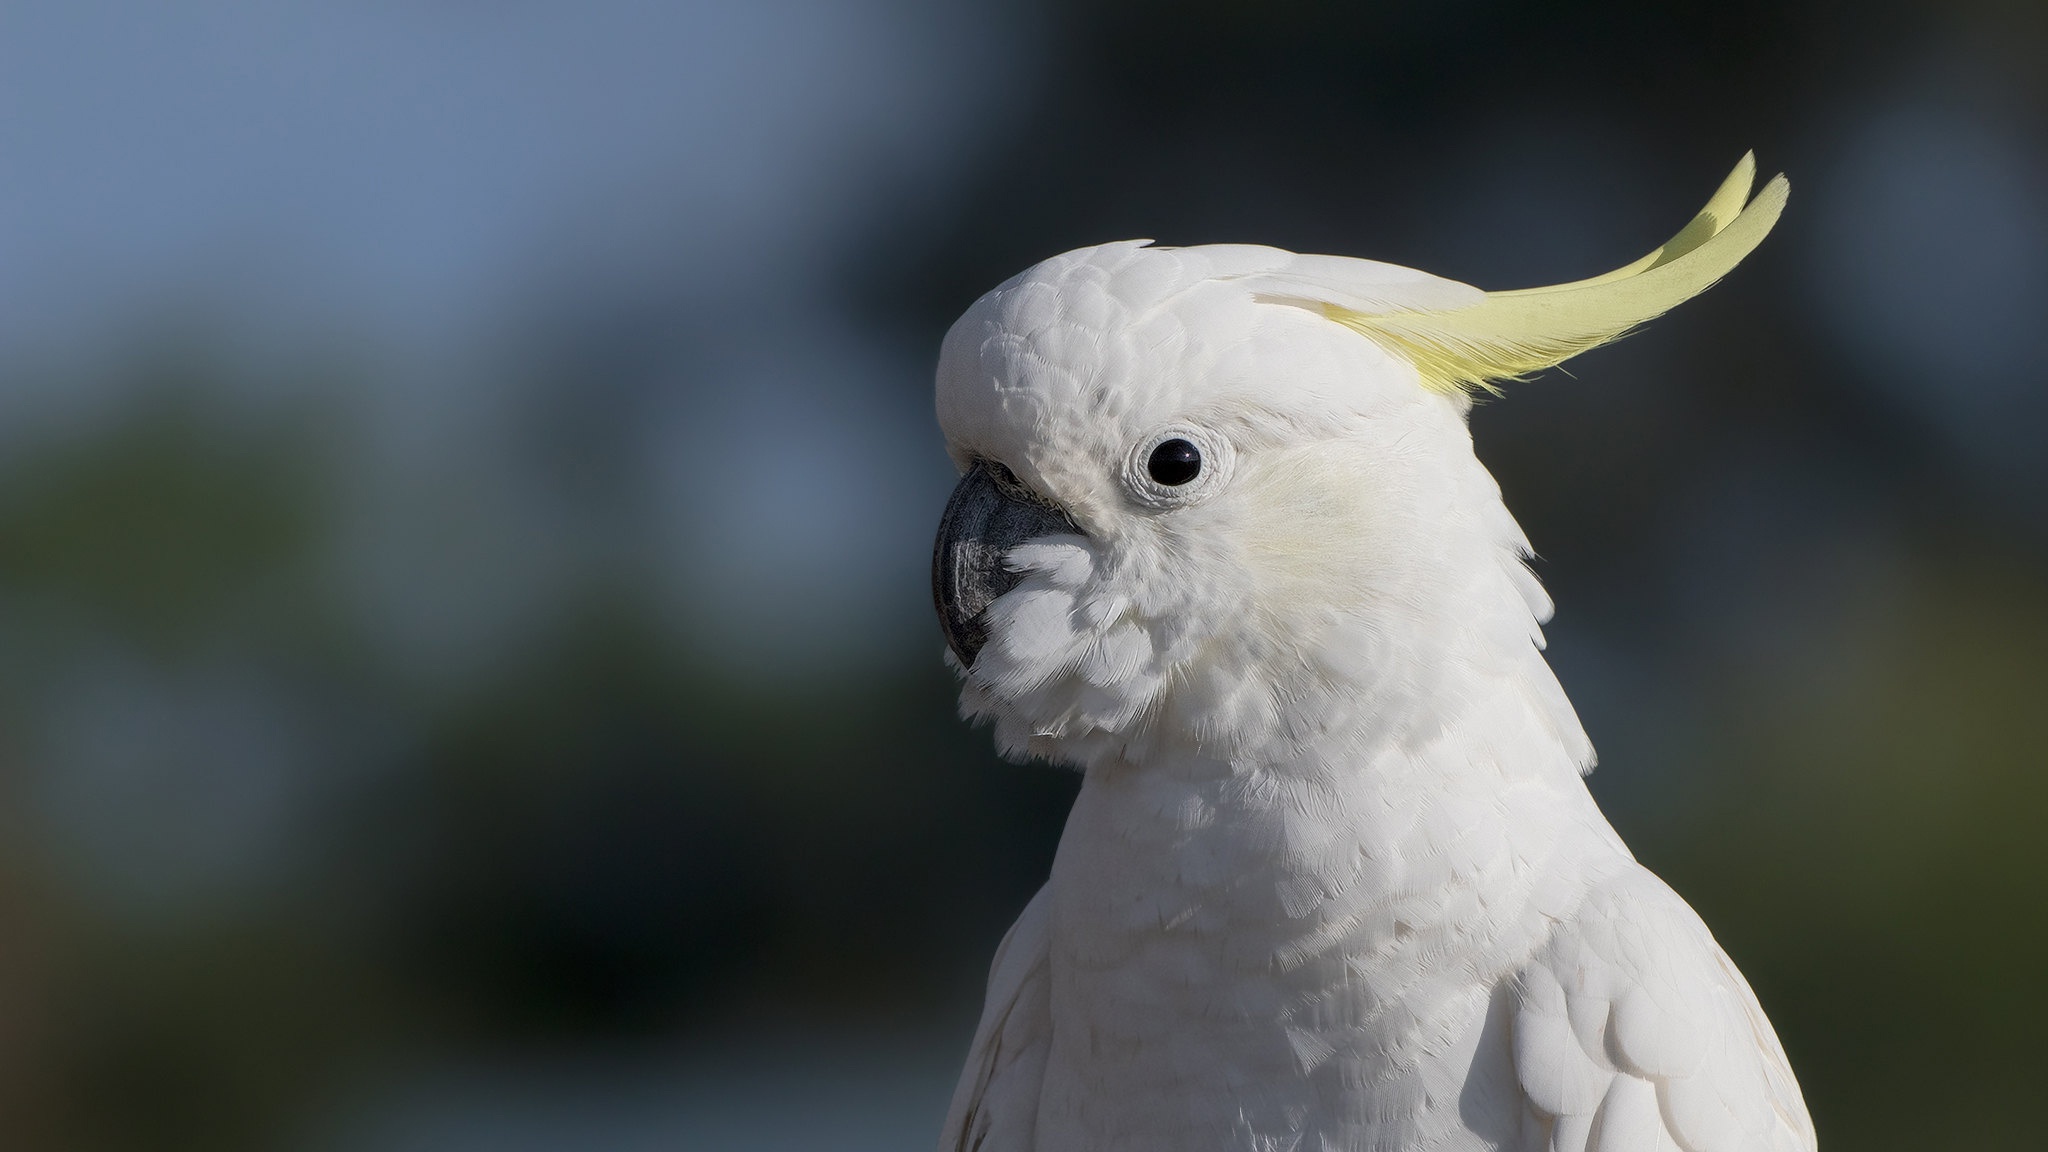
x: 995, y: 1106
x: 1633, y: 1031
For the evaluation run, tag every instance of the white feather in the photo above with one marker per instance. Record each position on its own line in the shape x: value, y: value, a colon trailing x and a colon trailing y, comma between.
x: 1332, y: 880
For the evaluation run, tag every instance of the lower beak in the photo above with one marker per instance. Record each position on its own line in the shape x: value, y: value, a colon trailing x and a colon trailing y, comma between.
x: 983, y: 521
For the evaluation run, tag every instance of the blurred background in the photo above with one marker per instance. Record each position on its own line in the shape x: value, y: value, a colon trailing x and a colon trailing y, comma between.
x: 466, y: 477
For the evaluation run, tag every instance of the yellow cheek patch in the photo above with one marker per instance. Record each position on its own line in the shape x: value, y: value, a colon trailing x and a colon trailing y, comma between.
x: 1314, y: 520
x: 1509, y: 335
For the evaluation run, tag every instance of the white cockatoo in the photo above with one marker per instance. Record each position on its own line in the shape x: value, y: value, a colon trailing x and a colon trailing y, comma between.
x: 1333, y: 879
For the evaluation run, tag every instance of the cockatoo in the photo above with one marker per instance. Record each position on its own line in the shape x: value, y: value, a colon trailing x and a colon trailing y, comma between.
x: 1333, y: 879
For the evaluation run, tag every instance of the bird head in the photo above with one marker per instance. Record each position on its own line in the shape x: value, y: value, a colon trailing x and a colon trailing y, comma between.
x: 1224, y: 497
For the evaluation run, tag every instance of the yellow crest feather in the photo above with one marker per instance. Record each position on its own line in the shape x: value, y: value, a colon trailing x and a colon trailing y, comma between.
x: 1512, y: 334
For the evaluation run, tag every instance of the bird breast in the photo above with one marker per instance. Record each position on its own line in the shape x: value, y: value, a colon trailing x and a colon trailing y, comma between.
x: 1333, y: 938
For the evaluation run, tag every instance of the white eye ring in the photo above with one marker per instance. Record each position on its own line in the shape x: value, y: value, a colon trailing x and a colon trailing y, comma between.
x: 1214, y: 461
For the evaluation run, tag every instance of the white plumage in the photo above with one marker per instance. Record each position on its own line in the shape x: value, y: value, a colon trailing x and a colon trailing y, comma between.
x: 1333, y: 879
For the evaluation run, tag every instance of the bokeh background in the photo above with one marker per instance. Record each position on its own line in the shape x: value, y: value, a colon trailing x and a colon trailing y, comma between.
x: 466, y: 472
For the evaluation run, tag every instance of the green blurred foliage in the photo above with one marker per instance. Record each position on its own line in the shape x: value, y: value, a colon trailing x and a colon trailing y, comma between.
x: 597, y: 835
x: 156, y: 530
x: 1875, y: 859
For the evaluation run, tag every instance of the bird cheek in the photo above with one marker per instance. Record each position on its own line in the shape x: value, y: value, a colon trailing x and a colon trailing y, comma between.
x: 1032, y: 639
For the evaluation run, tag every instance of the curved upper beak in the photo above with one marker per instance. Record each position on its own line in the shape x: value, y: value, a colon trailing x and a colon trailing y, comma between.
x: 983, y: 521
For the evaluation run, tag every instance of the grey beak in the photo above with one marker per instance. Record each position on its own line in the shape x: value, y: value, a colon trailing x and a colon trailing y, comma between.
x: 989, y: 514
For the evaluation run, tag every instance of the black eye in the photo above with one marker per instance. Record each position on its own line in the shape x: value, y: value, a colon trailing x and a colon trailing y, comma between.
x: 1175, y: 462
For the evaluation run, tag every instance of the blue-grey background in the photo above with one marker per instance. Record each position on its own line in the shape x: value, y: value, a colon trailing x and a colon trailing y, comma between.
x: 466, y: 471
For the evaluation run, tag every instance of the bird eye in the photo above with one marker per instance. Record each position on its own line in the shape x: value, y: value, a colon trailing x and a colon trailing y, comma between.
x: 1176, y: 466
x: 1174, y: 463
